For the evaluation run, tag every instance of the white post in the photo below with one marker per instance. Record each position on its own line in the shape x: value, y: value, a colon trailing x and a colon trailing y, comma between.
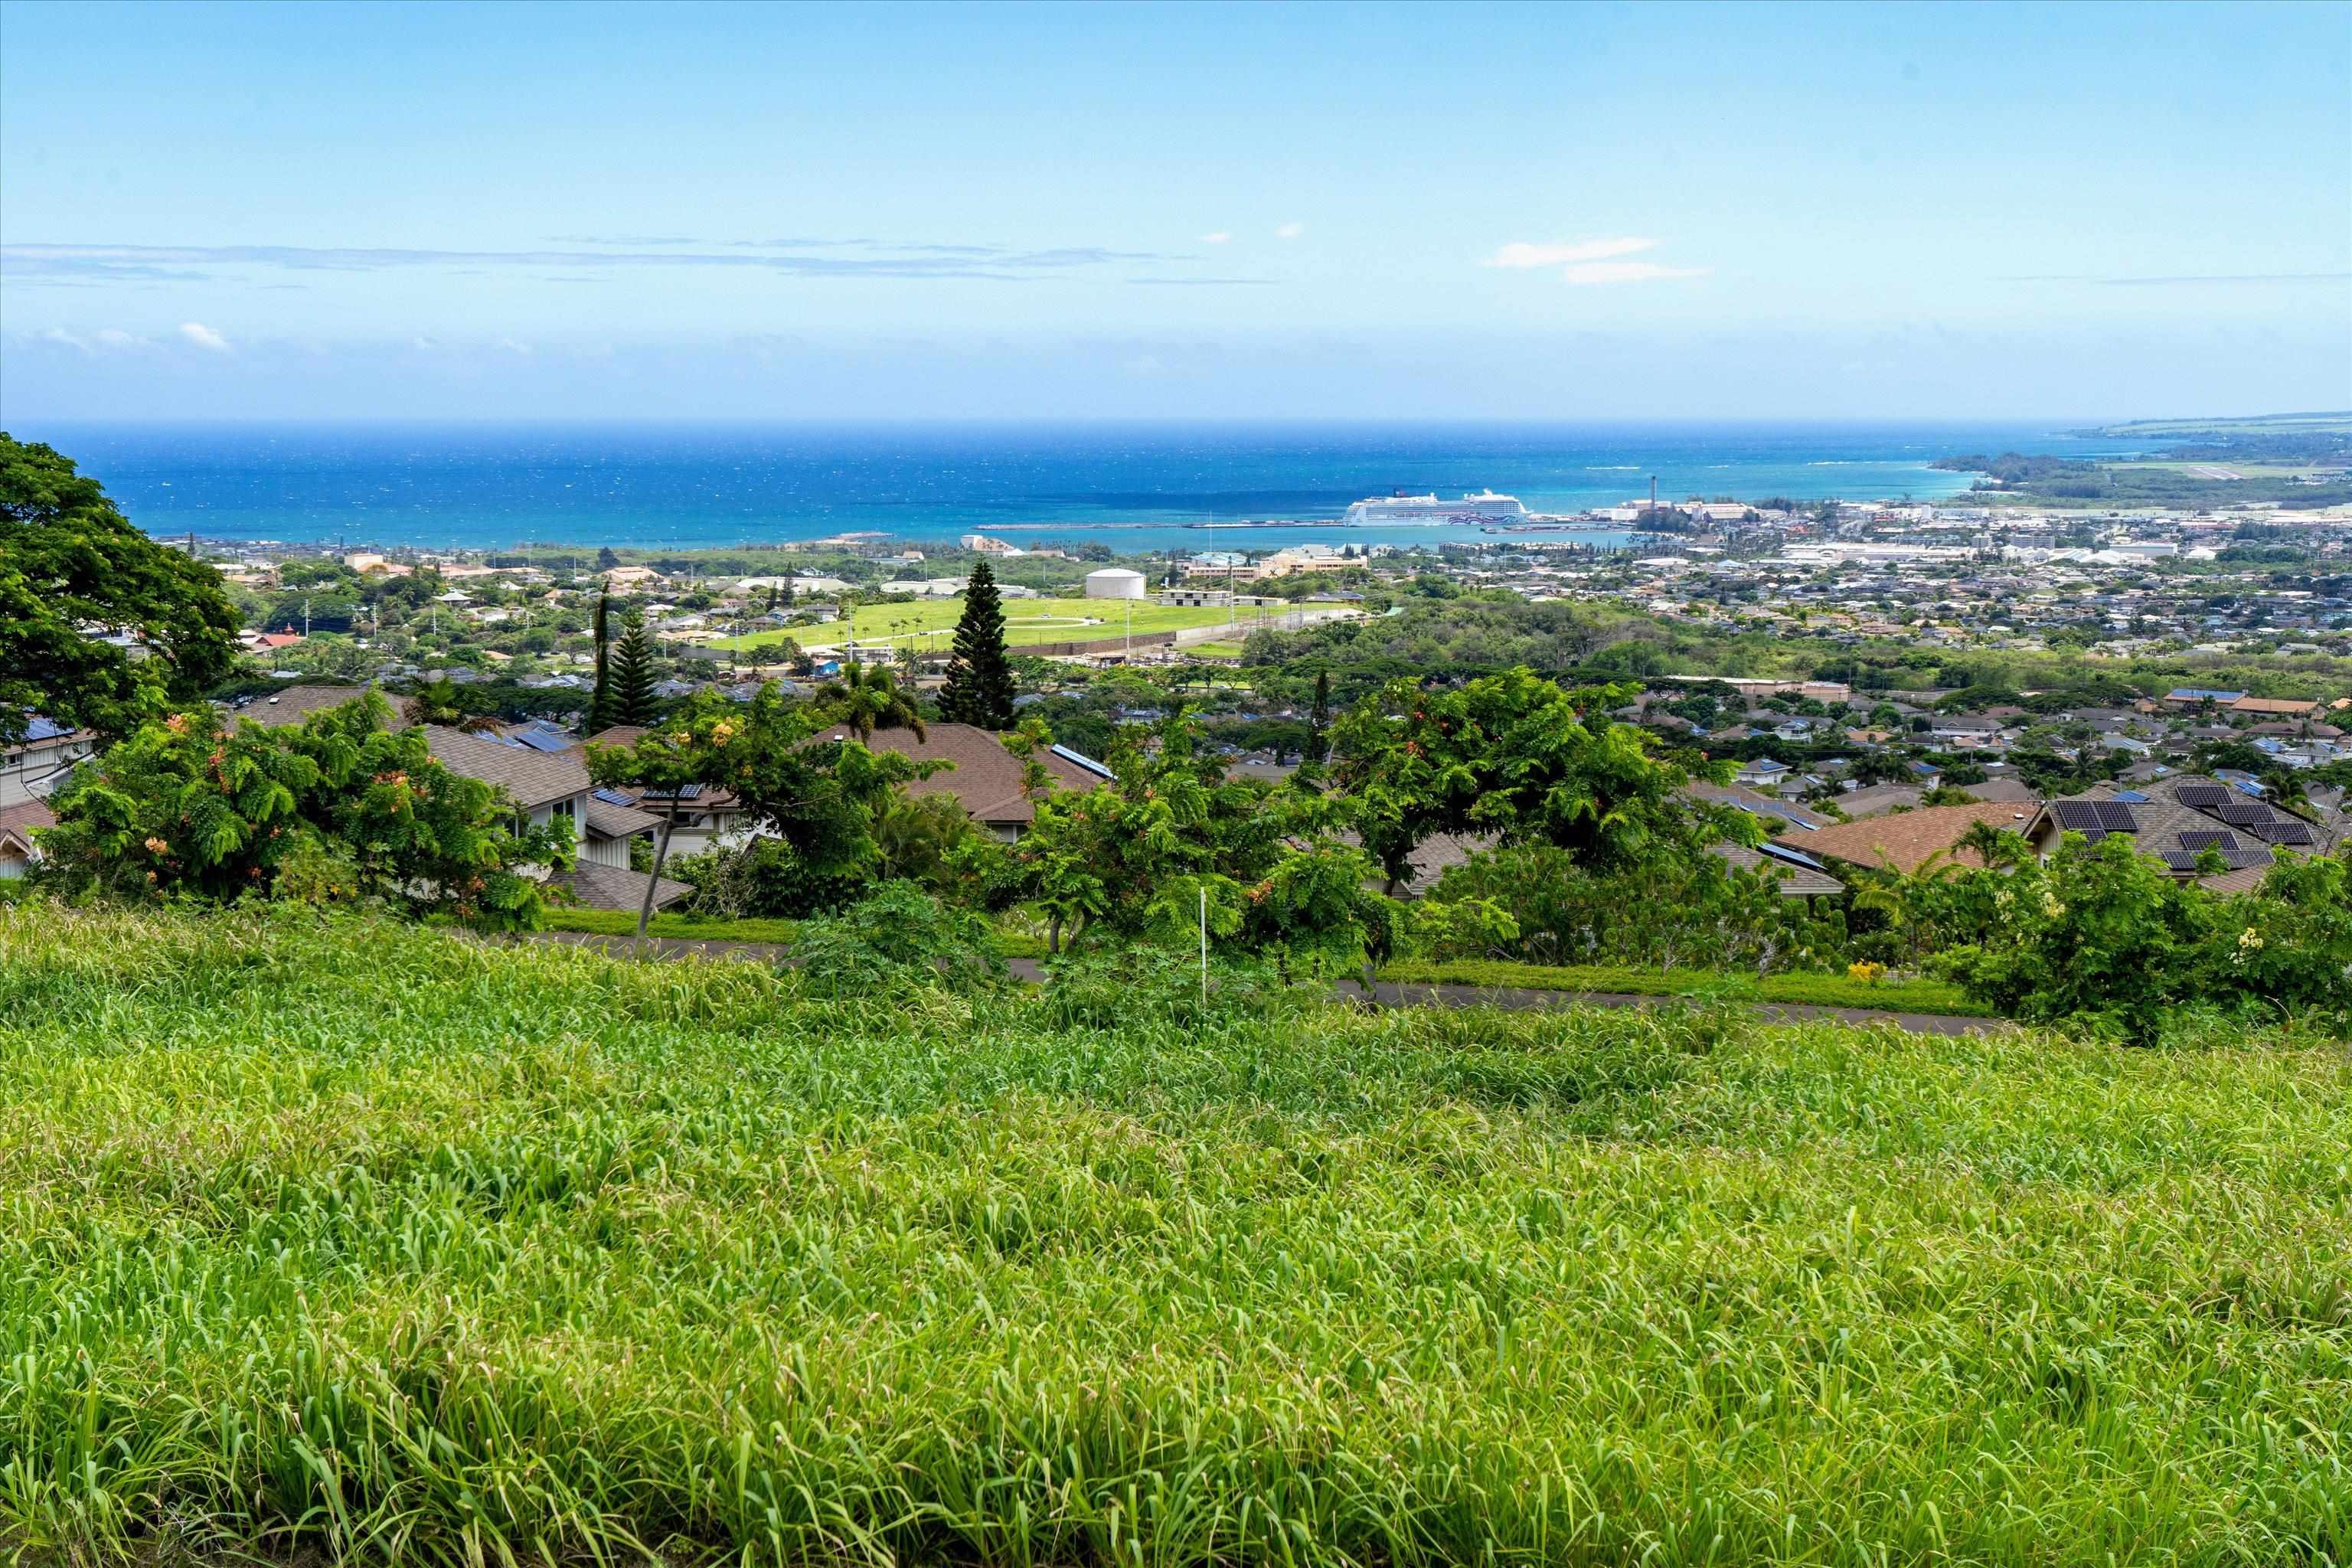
x: 1204, y: 949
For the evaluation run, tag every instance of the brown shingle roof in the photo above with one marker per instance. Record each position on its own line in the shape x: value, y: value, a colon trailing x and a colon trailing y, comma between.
x: 296, y: 703
x: 17, y: 821
x: 616, y: 887
x: 1796, y: 881
x: 606, y: 820
x: 986, y: 778
x: 533, y: 778
x: 1907, y: 838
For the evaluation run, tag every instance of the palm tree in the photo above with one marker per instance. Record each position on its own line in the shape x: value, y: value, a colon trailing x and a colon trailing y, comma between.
x: 867, y: 697
x: 1994, y: 846
x: 435, y: 702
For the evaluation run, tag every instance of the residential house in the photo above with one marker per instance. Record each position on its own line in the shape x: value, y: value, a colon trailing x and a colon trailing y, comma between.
x: 1905, y: 841
x: 983, y: 777
x: 2177, y: 819
x: 17, y: 822
x: 32, y: 767
x: 543, y: 773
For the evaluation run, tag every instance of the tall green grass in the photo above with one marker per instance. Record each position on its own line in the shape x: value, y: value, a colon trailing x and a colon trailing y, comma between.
x: 371, y: 1242
x: 1809, y: 989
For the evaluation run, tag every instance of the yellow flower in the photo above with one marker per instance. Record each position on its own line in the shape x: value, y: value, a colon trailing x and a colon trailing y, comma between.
x: 2250, y: 939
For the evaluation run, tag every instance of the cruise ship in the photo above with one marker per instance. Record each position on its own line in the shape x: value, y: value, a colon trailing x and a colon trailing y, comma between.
x: 1485, y: 506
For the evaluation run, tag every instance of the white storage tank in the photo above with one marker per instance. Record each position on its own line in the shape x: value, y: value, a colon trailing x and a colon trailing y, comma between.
x: 1113, y: 582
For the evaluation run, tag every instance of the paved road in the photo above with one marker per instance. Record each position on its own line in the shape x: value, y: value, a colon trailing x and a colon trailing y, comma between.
x: 1387, y: 993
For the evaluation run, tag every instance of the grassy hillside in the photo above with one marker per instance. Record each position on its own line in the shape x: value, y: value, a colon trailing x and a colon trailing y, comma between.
x: 385, y: 1242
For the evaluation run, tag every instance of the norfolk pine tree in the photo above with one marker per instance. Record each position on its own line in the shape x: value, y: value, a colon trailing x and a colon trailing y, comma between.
x: 979, y: 689
x: 630, y: 696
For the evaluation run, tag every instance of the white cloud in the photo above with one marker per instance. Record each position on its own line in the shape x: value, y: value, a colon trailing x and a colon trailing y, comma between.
x: 1522, y: 254
x: 60, y: 336
x: 203, y: 337
x: 1627, y: 272
x: 513, y: 347
x: 1220, y: 237
x: 116, y: 338
x: 1290, y: 231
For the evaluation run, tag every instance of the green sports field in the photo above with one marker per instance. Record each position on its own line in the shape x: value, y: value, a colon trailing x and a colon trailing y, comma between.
x: 932, y: 623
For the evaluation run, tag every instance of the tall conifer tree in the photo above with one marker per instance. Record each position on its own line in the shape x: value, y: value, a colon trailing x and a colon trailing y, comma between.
x: 600, y: 706
x: 979, y: 689
x: 630, y: 694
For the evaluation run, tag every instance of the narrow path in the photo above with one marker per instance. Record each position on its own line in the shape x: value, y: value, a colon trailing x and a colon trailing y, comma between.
x: 1387, y: 993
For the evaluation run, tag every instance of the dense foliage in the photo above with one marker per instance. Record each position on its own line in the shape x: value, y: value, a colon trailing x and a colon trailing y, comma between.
x: 1516, y: 757
x: 2102, y: 936
x: 336, y: 810
x: 71, y: 563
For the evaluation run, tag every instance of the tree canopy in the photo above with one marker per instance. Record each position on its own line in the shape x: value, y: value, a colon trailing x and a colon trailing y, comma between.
x: 71, y: 565
x: 1517, y: 757
x: 337, y: 810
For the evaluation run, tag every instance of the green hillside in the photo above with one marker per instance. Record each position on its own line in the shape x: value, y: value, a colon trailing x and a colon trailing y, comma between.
x: 373, y: 1242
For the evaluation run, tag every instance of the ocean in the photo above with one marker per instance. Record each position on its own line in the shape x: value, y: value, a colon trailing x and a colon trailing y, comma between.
x: 1136, y: 488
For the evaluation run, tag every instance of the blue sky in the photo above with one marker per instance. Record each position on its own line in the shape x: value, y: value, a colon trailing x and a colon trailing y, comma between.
x: 1329, y: 210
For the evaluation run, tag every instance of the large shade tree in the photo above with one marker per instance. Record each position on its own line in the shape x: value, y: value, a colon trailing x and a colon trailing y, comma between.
x: 1517, y: 757
x: 74, y: 573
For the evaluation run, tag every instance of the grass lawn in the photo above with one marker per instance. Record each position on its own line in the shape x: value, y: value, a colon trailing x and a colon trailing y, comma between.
x: 374, y: 1243
x: 931, y: 623
x: 696, y: 928
x: 1822, y: 990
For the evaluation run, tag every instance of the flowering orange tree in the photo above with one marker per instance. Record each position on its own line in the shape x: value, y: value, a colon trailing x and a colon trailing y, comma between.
x: 339, y: 809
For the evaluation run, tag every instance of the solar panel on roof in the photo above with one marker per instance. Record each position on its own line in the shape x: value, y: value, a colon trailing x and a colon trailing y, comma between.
x: 2132, y: 796
x: 1794, y: 857
x: 683, y: 792
x: 2204, y: 796
x: 2209, y: 838
x: 2239, y: 860
x: 1083, y: 761
x: 611, y: 797
x: 2115, y: 817
x: 2293, y: 832
x: 2244, y: 815
x: 2077, y: 815
x: 540, y: 740
x: 2181, y: 861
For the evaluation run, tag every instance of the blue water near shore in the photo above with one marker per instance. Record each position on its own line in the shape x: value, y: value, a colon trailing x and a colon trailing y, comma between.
x: 1133, y: 487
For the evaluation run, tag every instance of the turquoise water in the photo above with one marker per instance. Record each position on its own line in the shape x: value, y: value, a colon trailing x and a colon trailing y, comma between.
x: 1133, y: 487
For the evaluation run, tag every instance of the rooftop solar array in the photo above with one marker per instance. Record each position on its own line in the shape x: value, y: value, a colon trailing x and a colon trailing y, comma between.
x: 2132, y: 797
x: 543, y: 740
x: 2101, y: 816
x: 2209, y: 838
x: 2290, y: 832
x: 2204, y: 797
x: 2244, y: 815
x: 611, y: 797
x: 683, y: 792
